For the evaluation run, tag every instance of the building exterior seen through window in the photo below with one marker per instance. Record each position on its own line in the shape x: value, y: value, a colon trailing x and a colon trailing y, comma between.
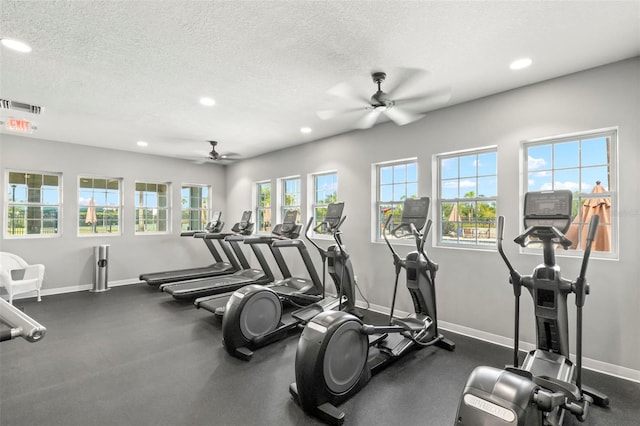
x: 152, y: 213
x: 99, y: 206
x: 196, y: 208
x: 396, y: 182
x: 263, y: 206
x: 325, y: 192
x: 33, y: 204
x: 467, y: 195
x: 291, y: 196
x: 585, y: 165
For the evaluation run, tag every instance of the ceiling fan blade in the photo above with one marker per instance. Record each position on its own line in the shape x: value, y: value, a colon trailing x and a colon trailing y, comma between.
x: 329, y: 114
x: 404, y: 78
x: 424, y: 102
x: 401, y: 116
x: 369, y: 119
x: 346, y: 91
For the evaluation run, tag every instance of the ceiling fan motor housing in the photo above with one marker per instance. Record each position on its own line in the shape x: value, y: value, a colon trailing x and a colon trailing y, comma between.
x: 380, y: 99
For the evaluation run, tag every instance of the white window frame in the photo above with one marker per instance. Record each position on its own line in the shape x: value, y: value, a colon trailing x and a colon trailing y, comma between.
x: 376, y: 220
x: 203, y: 210
x: 282, y: 202
x: 97, y: 206
x: 137, y: 208
x: 313, y: 201
x: 10, y: 204
x: 479, y: 238
x: 612, y: 190
x: 257, y: 207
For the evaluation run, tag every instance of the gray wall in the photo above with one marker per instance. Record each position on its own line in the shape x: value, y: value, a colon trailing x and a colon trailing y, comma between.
x: 69, y: 258
x: 472, y: 286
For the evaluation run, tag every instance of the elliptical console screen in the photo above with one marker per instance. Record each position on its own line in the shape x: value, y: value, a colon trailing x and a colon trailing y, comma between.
x: 415, y: 211
x: 334, y: 214
x: 548, y: 208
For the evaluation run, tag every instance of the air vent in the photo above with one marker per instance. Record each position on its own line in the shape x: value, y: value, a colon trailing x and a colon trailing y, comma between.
x: 20, y: 106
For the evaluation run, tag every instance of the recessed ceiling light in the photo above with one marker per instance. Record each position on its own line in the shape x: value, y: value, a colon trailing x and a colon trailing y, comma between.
x: 142, y: 143
x: 207, y: 101
x: 305, y: 129
x: 16, y: 45
x: 521, y: 63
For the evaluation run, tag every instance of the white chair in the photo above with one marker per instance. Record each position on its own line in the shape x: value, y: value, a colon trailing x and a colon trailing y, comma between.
x: 17, y: 276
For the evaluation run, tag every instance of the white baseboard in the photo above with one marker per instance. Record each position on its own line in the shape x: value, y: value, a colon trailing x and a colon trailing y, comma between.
x: 588, y: 363
x: 75, y: 288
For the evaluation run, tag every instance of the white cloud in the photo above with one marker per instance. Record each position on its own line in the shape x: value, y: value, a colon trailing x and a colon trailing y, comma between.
x: 535, y: 163
x: 572, y: 186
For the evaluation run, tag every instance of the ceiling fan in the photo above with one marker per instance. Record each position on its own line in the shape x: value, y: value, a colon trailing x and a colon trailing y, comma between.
x: 401, y: 110
x: 215, y: 156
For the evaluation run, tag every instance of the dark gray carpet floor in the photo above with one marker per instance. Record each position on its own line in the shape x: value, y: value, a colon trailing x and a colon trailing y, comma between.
x: 135, y: 356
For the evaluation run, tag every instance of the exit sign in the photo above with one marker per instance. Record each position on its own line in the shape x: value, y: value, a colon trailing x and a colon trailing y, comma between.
x: 18, y: 125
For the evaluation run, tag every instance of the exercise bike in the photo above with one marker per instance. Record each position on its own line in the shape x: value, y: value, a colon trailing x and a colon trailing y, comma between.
x: 547, y: 384
x: 253, y: 315
x: 337, y: 353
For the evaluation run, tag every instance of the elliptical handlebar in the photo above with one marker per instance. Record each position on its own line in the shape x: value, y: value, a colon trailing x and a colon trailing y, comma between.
x: 333, y: 230
x: 396, y: 257
x: 423, y: 238
x: 591, y: 236
x: 550, y: 233
x: 515, y: 277
x: 581, y: 289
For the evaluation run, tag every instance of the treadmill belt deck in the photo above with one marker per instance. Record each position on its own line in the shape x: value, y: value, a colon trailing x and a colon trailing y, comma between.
x: 207, y: 287
x: 158, y: 278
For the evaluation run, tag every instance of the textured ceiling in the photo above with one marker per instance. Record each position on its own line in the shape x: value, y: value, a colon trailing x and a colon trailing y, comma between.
x: 110, y: 73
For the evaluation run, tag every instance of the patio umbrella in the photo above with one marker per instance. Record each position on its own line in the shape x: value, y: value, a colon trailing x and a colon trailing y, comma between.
x: 454, y: 216
x: 91, y: 218
x: 592, y: 206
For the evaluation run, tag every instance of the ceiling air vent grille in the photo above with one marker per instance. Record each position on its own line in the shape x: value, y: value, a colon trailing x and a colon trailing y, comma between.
x: 20, y: 106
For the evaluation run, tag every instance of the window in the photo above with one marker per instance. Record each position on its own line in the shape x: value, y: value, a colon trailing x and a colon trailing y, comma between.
x: 33, y: 204
x: 290, y: 196
x: 263, y: 206
x: 325, y: 192
x: 395, y: 183
x: 99, y: 206
x: 467, y: 193
x: 585, y: 165
x: 195, y: 207
x: 152, y: 208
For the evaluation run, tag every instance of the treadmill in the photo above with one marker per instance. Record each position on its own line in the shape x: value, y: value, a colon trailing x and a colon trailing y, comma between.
x: 216, y: 285
x: 298, y: 290
x: 212, y: 231
x: 202, y: 288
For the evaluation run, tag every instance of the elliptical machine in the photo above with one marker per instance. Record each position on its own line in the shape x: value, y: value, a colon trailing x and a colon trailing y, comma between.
x: 19, y: 324
x: 253, y: 316
x: 338, y: 354
x: 548, y: 384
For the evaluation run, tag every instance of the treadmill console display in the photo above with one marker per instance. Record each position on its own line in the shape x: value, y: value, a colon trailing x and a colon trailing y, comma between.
x: 214, y: 225
x: 548, y: 208
x: 289, y: 222
x: 246, y: 217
